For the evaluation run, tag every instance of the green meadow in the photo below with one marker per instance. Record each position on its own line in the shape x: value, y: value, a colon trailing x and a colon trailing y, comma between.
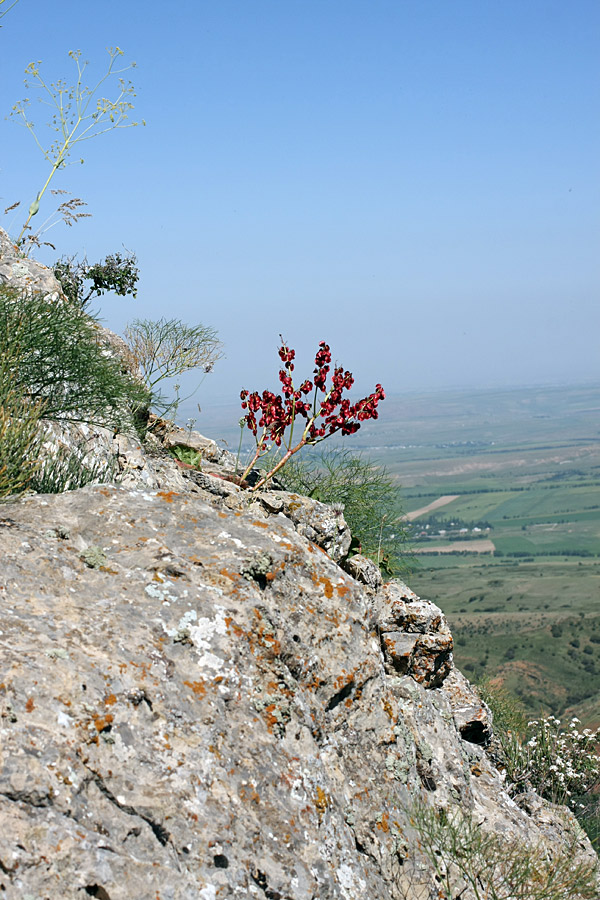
x: 514, y: 559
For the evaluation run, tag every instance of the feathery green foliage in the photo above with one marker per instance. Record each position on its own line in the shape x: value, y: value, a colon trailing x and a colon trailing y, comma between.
x: 62, y: 363
x: 68, y: 470
x: 507, y: 710
x: 19, y: 423
x: 371, y: 500
x: 165, y: 348
x: 483, y: 866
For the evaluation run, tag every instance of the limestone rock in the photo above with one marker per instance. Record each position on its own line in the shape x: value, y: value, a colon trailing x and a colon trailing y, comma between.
x: 25, y: 274
x: 472, y: 716
x: 171, y: 435
x: 415, y: 637
x: 364, y: 570
x: 203, y: 712
x: 319, y: 522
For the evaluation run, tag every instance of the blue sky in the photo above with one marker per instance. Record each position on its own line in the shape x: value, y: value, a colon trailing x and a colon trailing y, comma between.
x: 415, y: 182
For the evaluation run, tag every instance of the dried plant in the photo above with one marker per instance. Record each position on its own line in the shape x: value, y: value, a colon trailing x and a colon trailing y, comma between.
x: 79, y: 113
x: 166, y: 348
x: 68, y: 212
x: 3, y: 9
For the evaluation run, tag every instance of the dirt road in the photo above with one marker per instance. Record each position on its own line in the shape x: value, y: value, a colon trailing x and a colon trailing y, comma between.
x: 441, y: 501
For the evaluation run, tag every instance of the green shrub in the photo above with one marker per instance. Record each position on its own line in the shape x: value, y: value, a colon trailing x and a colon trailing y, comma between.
x: 507, y: 710
x: 116, y: 273
x: 468, y: 862
x: 68, y: 470
x: 62, y: 364
x: 370, y: 497
x: 19, y: 424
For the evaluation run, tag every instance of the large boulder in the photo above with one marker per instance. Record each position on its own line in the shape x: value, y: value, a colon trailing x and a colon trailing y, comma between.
x: 195, y: 704
x: 22, y: 273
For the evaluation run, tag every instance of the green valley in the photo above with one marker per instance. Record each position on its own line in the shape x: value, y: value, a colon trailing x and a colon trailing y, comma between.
x: 504, y: 491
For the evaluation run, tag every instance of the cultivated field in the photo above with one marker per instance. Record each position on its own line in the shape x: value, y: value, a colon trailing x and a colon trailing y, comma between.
x: 512, y: 478
x: 523, y: 468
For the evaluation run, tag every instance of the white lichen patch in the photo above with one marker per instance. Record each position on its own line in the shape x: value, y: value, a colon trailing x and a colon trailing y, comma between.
x: 208, y: 893
x: 352, y: 885
x: 203, y: 634
x: 160, y: 591
x: 65, y: 720
x: 227, y: 537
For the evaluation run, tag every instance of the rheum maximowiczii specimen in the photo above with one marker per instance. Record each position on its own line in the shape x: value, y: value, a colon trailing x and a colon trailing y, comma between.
x: 272, y: 418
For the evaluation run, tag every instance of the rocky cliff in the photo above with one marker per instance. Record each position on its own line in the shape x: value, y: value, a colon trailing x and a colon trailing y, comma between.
x: 202, y: 698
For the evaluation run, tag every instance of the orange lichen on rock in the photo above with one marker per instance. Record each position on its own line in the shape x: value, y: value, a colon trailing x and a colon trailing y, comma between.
x: 198, y: 687
x: 102, y: 722
x: 383, y: 823
x: 167, y: 496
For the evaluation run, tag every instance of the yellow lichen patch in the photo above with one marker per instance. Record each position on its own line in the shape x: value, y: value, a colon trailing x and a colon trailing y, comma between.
x: 167, y: 496
x: 198, y: 687
x: 388, y: 707
x: 325, y: 582
x: 270, y: 716
x: 259, y: 524
x: 322, y: 803
x: 342, y: 590
x: 222, y: 515
x: 249, y: 793
x: 314, y: 684
x: 110, y: 700
x: 343, y: 679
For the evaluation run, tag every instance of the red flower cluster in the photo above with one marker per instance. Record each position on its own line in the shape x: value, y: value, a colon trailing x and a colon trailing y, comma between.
x: 274, y: 413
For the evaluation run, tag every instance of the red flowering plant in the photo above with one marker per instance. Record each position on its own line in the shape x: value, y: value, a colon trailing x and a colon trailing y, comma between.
x: 273, y: 418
